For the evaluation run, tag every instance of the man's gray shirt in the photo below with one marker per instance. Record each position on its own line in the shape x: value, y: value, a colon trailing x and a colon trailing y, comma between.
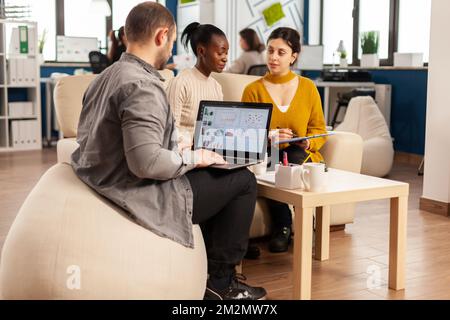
x: 128, y: 150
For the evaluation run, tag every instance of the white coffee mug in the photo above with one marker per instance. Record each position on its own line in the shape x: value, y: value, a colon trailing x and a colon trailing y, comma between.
x: 260, y: 168
x: 314, y: 177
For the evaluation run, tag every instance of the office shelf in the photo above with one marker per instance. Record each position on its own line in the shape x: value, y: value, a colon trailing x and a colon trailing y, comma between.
x: 23, y: 118
x: 19, y: 82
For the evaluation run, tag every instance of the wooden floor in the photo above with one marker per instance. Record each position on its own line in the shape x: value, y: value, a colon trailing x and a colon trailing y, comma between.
x: 357, y: 268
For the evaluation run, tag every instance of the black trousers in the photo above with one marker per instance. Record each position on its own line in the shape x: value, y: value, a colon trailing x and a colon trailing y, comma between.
x: 279, y: 212
x: 224, y: 204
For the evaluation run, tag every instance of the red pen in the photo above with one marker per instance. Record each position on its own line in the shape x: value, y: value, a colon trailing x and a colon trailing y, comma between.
x: 285, y: 159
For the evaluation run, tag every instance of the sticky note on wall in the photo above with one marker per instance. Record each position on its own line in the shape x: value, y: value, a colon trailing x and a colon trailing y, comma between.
x: 273, y: 14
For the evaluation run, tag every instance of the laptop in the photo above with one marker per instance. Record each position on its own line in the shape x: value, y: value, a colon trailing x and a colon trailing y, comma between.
x: 236, y: 130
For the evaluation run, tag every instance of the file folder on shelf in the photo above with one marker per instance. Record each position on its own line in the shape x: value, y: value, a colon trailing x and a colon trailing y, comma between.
x: 23, y: 39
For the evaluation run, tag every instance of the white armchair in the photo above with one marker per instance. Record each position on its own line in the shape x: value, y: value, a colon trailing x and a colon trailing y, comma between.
x: 67, y: 242
x: 364, y: 118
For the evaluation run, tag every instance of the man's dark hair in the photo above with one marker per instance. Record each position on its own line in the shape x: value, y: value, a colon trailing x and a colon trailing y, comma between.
x: 290, y: 36
x: 196, y: 33
x: 145, y: 18
x: 251, y: 38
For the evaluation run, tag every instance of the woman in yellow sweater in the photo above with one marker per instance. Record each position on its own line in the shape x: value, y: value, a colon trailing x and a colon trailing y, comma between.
x: 297, y: 111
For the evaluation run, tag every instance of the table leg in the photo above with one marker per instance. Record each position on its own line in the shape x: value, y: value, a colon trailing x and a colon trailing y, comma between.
x: 302, y: 253
x: 326, y: 103
x: 397, y: 242
x: 322, y: 233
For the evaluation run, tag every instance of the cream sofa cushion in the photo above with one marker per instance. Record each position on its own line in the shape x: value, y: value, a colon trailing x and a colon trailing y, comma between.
x: 233, y: 85
x: 65, y: 229
x: 68, y: 97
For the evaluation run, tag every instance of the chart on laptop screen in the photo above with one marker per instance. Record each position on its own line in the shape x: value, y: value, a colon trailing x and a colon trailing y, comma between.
x: 239, y: 129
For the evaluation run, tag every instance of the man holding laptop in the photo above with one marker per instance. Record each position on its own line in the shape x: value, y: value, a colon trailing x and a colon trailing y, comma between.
x: 129, y: 154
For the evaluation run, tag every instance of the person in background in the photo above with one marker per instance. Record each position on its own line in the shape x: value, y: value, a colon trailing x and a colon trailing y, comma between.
x: 128, y: 153
x: 210, y: 45
x: 253, y: 52
x: 117, y: 44
x: 297, y: 112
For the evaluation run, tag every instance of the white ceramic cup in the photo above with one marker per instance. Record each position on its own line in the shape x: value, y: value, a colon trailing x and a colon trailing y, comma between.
x: 260, y: 168
x: 314, y: 177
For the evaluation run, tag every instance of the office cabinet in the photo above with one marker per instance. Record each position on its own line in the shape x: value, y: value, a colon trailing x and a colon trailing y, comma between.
x: 20, y: 100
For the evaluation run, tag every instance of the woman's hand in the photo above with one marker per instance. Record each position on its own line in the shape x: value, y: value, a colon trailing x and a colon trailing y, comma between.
x: 305, y: 144
x: 184, y: 141
x: 280, y: 134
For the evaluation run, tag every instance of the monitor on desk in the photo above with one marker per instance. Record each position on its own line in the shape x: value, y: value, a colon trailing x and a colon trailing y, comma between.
x: 74, y: 49
x: 311, y: 58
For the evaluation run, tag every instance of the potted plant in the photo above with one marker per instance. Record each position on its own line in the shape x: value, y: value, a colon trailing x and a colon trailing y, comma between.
x: 342, y: 55
x: 41, y: 43
x: 343, y: 62
x: 369, y: 44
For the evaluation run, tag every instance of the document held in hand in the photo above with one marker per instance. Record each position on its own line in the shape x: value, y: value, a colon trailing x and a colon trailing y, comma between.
x: 298, y: 139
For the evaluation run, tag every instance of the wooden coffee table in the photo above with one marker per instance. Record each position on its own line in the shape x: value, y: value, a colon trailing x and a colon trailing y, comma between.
x: 343, y: 187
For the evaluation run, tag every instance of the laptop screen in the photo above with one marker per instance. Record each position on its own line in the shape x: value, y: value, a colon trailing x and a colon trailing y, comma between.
x: 232, y: 128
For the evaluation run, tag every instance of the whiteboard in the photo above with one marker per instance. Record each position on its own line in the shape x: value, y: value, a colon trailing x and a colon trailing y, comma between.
x: 74, y: 49
x: 311, y: 58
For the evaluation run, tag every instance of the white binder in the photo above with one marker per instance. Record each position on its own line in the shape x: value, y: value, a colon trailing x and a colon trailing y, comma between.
x: 14, y: 44
x: 32, y: 41
x: 12, y: 71
x: 15, y: 139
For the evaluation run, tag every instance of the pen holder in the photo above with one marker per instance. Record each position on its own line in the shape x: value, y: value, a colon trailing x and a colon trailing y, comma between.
x: 289, y: 177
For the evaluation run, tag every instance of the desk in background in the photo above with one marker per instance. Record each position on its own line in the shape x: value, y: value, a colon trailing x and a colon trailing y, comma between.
x: 331, y: 89
x: 51, y: 122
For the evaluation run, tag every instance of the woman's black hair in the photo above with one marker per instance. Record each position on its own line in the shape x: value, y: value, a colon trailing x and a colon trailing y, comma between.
x: 121, y: 34
x: 251, y: 38
x: 290, y: 36
x: 196, y: 33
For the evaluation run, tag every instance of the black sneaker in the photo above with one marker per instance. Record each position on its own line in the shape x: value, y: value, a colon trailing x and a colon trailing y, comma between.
x: 280, y: 240
x: 252, y: 253
x: 236, y: 291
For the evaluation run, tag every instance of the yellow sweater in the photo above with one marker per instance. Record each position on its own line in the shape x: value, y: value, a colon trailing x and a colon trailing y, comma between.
x: 304, y: 116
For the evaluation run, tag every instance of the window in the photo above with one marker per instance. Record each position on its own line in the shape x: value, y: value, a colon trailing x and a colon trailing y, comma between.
x: 82, y: 18
x: 337, y: 25
x: 314, y: 24
x: 374, y: 16
x: 414, y: 27
x: 121, y: 8
x: 44, y: 13
x: 403, y: 25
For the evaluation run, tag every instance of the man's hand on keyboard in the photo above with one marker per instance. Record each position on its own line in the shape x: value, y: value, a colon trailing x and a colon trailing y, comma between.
x: 205, y: 158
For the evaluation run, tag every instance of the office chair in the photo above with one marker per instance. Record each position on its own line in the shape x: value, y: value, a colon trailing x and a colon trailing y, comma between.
x: 344, y: 100
x: 258, y: 70
x: 99, y: 61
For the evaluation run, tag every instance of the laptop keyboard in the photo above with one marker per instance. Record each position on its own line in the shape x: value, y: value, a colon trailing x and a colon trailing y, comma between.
x: 238, y: 160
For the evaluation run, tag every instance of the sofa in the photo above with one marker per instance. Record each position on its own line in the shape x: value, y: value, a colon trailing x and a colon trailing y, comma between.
x: 67, y: 242
x: 364, y: 118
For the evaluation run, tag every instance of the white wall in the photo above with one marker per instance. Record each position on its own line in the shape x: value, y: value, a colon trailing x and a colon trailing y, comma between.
x: 437, y: 143
x: 234, y: 15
